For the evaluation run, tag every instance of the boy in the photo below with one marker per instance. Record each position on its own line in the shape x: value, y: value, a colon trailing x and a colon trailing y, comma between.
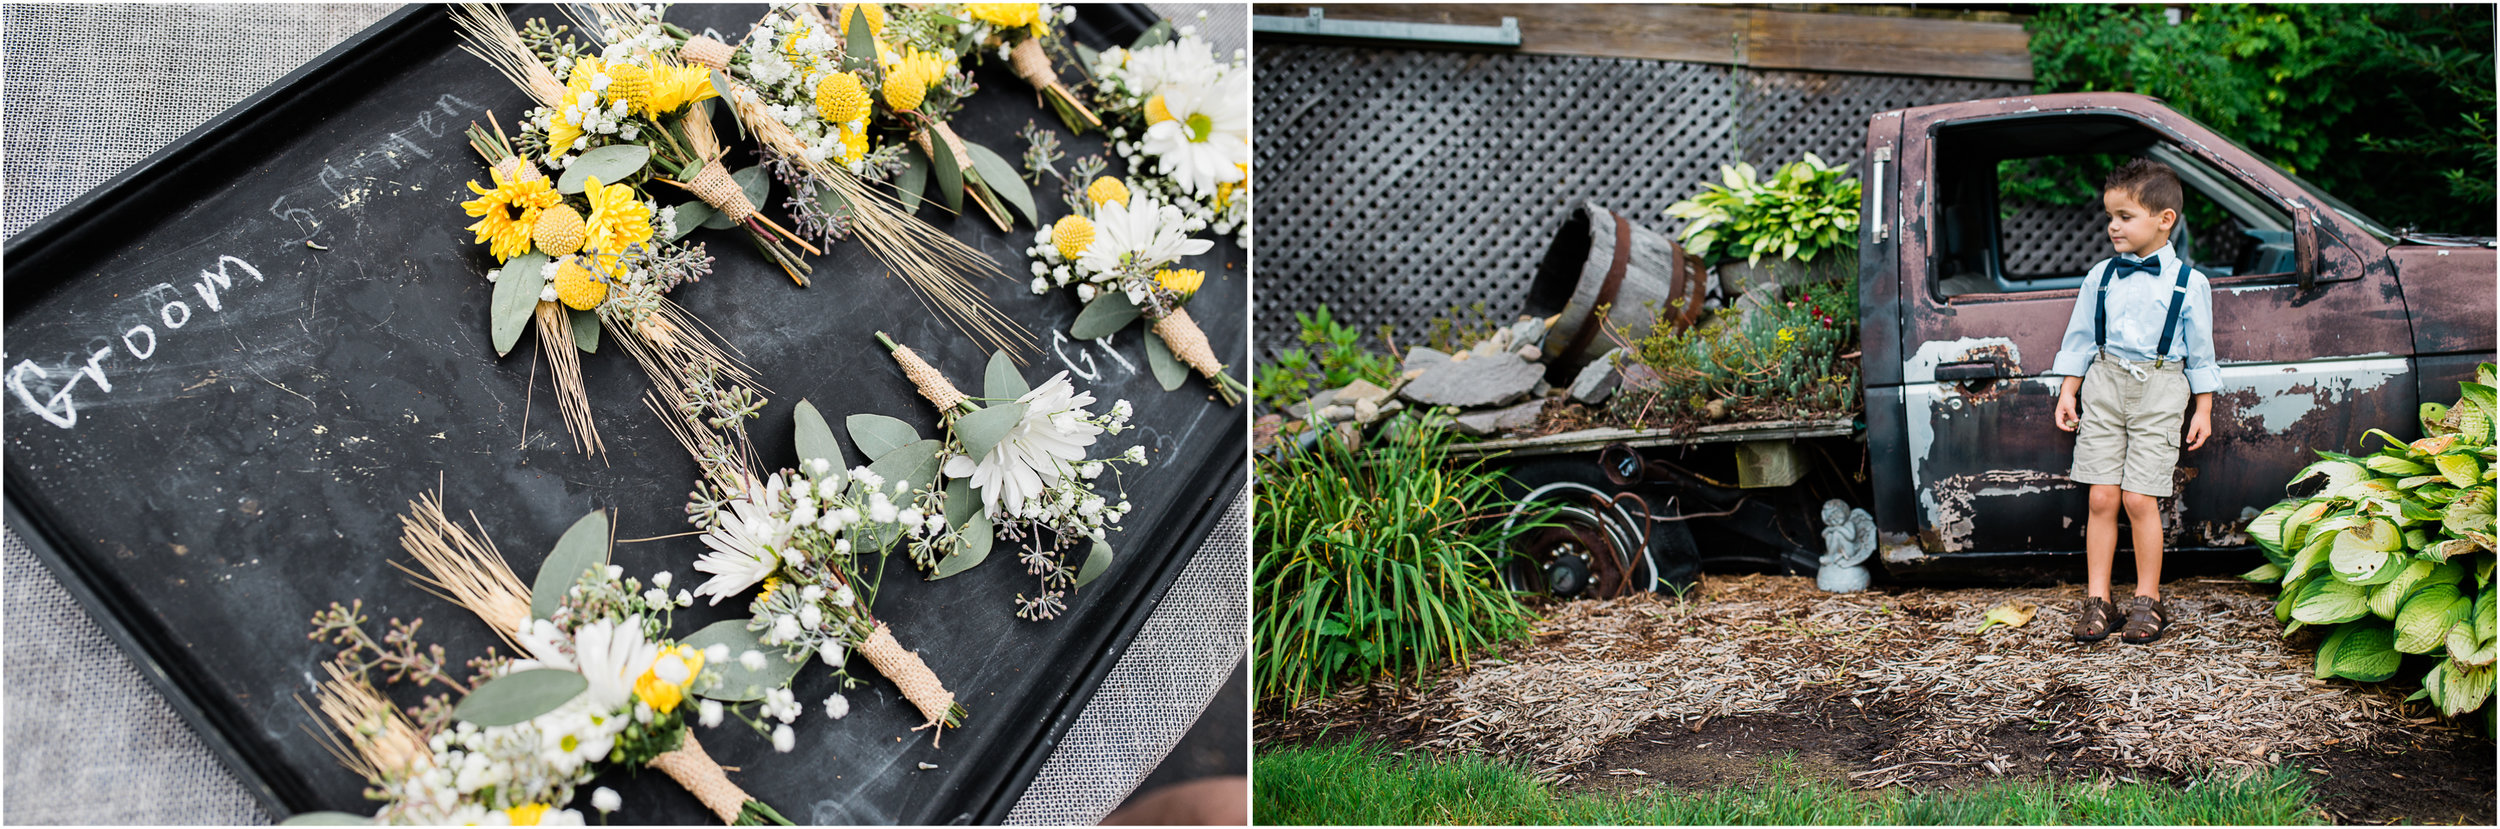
x: 2139, y: 345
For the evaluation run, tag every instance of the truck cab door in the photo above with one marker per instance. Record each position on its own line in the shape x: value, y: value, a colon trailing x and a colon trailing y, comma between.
x: 2304, y: 366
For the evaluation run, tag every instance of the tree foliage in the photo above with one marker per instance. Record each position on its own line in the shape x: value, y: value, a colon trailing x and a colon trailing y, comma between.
x: 2388, y: 107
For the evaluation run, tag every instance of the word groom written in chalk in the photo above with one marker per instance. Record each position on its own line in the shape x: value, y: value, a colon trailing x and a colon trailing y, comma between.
x: 56, y: 403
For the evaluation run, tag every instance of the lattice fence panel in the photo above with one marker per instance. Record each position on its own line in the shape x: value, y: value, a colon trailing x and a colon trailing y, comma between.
x: 2052, y: 239
x: 1400, y: 183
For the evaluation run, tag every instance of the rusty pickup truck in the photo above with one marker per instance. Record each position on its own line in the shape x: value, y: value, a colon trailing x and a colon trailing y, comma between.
x: 2325, y: 323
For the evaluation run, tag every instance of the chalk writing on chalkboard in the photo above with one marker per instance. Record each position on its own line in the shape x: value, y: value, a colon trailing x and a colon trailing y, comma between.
x: 55, y: 400
x: 1091, y: 371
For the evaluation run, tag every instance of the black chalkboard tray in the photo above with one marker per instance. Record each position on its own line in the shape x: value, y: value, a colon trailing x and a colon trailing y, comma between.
x: 237, y: 467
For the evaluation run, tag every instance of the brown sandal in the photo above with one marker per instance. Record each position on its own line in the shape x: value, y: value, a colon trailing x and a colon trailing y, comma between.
x: 2094, y: 621
x: 2147, y: 618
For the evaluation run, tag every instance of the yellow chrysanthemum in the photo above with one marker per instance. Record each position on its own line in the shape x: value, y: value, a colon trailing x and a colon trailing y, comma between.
x: 840, y: 99
x: 1183, y: 281
x: 577, y: 287
x: 1156, y: 111
x: 1005, y: 15
x: 663, y: 696
x: 526, y: 814
x: 1072, y: 235
x: 930, y: 68
x: 617, y: 219
x: 558, y: 230
x: 1106, y: 189
x: 673, y: 87
x: 856, y: 143
x: 904, y: 89
x: 1224, y: 189
x: 630, y: 84
x: 506, y: 232
x: 876, y: 18
x: 562, y: 131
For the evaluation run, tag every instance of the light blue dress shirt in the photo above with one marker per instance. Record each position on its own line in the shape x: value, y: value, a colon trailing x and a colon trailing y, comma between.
x: 2137, y: 303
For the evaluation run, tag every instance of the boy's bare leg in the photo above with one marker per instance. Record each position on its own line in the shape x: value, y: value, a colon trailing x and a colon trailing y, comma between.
x: 2144, y: 513
x: 2100, y: 540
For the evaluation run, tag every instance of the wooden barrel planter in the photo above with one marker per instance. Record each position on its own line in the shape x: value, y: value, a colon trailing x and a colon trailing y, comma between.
x: 1600, y: 259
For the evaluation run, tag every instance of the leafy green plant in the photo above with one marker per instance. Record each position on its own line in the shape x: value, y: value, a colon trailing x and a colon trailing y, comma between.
x: 2389, y: 107
x: 1785, y: 358
x: 2394, y: 554
x: 1332, y: 355
x: 1806, y: 208
x: 1383, y: 562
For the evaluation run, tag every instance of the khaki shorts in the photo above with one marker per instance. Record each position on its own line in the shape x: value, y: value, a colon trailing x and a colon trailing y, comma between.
x: 2130, y: 430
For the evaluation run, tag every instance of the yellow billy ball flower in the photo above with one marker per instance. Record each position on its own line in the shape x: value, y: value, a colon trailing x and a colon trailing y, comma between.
x: 1156, y: 111
x: 577, y: 287
x: 559, y: 231
x: 904, y: 88
x: 1072, y: 235
x: 840, y: 99
x: 876, y: 18
x: 1106, y: 189
x: 1183, y: 281
x: 1005, y: 15
x: 630, y: 84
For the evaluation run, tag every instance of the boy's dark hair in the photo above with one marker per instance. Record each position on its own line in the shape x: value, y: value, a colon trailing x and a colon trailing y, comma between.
x: 2152, y: 183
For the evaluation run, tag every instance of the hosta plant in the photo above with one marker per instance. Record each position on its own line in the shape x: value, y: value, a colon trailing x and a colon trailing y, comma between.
x: 1805, y: 208
x: 2394, y: 553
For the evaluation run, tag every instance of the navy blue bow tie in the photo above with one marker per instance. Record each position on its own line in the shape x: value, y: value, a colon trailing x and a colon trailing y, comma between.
x: 2121, y: 267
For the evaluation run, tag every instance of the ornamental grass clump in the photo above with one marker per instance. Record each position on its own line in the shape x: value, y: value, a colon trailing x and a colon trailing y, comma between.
x: 1385, y: 562
x: 2393, y: 555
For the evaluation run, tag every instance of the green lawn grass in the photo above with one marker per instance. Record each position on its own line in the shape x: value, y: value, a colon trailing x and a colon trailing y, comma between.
x: 1347, y: 783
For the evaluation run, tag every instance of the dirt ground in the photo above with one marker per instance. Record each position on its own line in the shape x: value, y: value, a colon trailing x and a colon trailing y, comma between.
x: 1892, y: 688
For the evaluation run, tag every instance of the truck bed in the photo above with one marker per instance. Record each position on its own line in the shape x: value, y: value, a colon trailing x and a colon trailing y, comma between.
x: 1591, y: 440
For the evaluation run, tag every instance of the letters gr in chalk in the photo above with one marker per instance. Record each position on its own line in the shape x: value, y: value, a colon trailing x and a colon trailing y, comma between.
x: 51, y: 392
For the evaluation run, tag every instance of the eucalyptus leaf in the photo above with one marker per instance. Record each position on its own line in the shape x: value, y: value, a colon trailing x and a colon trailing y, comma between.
x: 961, y: 502
x: 1167, y: 367
x: 327, y: 819
x: 814, y: 437
x: 979, y: 537
x: 515, y: 299
x: 721, y: 87
x: 1086, y: 57
x: 876, y: 434
x: 912, y: 181
x: 1002, y: 381
x: 755, y: 183
x: 1109, y: 312
x: 915, y: 463
x: 1161, y: 32
x: 982, y: 430
x: 737, y: 683
x: 696, y: 214
x: 950, y: 176
x: 859, y: 44
x: 585, y: 329
x: 1095, y: 562
x: 517, y: 697
x: 714, y: 219
x: 610, y: 164
x: 582, y: 547
x: 1003, y: 180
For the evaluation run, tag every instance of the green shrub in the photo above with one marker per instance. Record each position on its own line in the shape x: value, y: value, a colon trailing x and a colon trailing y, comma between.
x: 1383, y: 562
x: 1331, y: 356
x: 1786, y: 359
x: 2393, y: 555
x: 1804, y: 210
x: 2389, y: 107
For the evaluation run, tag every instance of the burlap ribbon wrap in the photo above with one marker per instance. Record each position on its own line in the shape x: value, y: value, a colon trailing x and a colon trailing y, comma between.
x: 953, y: 144
x: 933, y: 385
x: 1188, y: 343
x: 1032, y: 64
x: 909, y: 674
x: 714, y: 186
x: 706, y: 52
x: 694, y: 769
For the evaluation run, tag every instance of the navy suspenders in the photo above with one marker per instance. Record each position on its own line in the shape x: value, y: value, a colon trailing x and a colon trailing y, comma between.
x: 2169, y: 326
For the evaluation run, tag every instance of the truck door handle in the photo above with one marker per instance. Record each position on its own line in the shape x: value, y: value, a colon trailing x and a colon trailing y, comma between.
x: 1975, y: 370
